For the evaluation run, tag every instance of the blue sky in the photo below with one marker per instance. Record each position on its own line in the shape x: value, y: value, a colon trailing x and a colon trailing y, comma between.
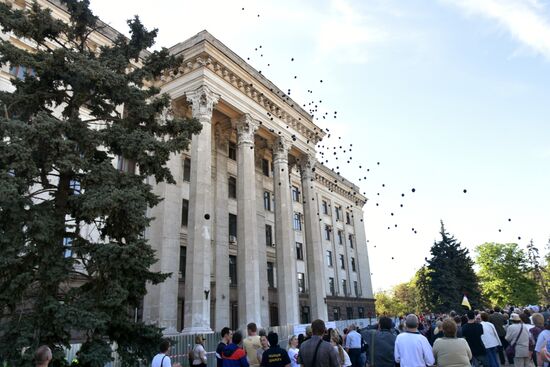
x: 447, y: 95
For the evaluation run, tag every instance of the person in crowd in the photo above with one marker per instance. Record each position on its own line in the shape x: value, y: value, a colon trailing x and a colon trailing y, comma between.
x: 251, y: 344
x: 438, y: 332
x: 546, y: 313
x: 538, y: 322
x: 162, y: 359
x: 227, y: 334
x: 344, y: 334
x: 412, y: 349
x: 490, y: 339
x: 343, y: 356
x: 274, y: 356
x: 542, y: 346
x: 517, y: 334
x: 353, y: 346
x: 42, y: 356
x: 458, y: 321
x: 472, y: 332
x: 199, y: 353
x: 233, y: 355
x: 315, y: 352
x: 264, y: 344
x: 301, y: 339
x: 293, y: 351
x: 526, y: 319
x: 309, y: 333
x: 450, y: 351
x: 381, y: 344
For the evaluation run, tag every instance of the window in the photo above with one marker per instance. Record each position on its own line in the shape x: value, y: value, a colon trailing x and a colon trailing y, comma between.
x: 301, y: 283
x: 336, y: 313
x: 186, y: 169
x: 342, y: 262
x: 67, y: 244
x: 331, y: 286
x: 232, y: 187
x: 232, y: 270
x: 270, y: 275
x: 183, y: 259
x: 265, y: 167
x: 304, y: 315
x: 295, y: 194
x: 232, y: 226
x: 345, y: 287
x: 298, y: 221
x: 348, y: 218
x: 126, y: 165
x: 267, y: 200
x: 327, y: 232
x: 184, y: 212
x: 337, y: 210
x: 268, y: 235
x: 324, y: 205
x: 349, y: 313
x: 329, y: 258
x: 232, y: 152
x: 361, y: 312
x: 299, y: 251
x: 356, y: 288
x: 340, y: 237
x: 20, y: 72
x: 350, y: 239
x: 352, y: 264
x: 74, y: 185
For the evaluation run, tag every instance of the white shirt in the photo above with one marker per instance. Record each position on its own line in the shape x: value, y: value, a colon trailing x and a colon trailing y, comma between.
x: 543, y: 338
x: 198, y: 350
x: 489, y: 337
x: 413, y: 350
x: 353, y: 340
x: 293, y: 355
x: 158, y: 358
x: 346, y: 362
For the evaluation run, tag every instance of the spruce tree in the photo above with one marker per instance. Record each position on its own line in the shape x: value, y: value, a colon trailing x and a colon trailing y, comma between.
x: 73, y: 258
x: 450, y: 275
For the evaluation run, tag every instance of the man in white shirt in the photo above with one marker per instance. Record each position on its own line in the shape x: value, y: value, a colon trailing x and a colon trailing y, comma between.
x: 412, y: 349
x: 162, y: 359
x: 353, y: 346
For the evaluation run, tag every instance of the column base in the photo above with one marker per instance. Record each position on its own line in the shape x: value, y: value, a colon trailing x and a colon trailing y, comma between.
x: 170, y: 331
x: 196, y: 330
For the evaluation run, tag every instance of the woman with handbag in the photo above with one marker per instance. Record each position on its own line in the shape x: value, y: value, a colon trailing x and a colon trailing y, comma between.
x: 517, y: 335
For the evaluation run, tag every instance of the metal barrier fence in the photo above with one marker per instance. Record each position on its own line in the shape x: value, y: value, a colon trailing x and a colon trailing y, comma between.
x: 182, y: 344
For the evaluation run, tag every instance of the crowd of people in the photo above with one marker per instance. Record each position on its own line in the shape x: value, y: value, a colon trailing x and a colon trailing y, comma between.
x: 490, y: 338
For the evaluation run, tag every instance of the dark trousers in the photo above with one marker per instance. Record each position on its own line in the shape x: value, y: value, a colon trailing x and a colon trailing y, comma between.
x: 355, y: 356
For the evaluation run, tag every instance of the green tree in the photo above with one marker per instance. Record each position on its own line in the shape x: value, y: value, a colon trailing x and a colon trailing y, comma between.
x: 58, y: 181
x: 387, y: 304
x: 536, y: 271
x: 504, y: 274
x: 451, y: 275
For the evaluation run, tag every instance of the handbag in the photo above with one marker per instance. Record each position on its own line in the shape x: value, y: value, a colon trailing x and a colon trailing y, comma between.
x: 511, y: 349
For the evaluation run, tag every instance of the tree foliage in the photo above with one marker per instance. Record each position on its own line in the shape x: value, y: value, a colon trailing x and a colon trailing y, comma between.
x: 504, y: 274
x: 449, y: 275
x: 74, y: 261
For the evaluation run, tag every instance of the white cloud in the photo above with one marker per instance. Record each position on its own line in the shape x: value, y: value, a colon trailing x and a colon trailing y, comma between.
x: 526, y: 20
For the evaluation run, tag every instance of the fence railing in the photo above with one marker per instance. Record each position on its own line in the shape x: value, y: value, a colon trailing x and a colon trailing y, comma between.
x: 182, y: 344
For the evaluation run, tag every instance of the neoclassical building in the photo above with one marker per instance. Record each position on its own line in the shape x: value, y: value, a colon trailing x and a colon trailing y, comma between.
x: 255, y: 228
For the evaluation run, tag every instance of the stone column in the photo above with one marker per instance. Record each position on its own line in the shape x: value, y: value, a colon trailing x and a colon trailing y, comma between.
x: 222, y: 232
x: 199, y: 252
x: 362, y: 263
x: 287, y: 287
x: 248, y: 267
x: 314, y: 245
x: 160, y: 305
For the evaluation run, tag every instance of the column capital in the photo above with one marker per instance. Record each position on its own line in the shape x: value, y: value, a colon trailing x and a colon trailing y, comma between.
x: 281, y: 147
x: 202, y: 101
x: 246, y: 128
x: 307, y: 166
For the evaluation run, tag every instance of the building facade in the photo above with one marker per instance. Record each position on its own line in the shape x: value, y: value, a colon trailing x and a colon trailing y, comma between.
x: 255, y: 228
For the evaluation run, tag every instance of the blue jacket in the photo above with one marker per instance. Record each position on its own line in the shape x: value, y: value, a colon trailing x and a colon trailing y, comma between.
x: 233, y: 356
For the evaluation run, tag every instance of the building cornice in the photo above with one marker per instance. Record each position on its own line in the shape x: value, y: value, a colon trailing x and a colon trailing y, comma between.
x: 339, y: 185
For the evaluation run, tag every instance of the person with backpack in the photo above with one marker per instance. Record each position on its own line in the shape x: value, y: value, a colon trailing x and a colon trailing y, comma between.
x: 517, y: 335
x: 162, y: 359
x: 315, y: 352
